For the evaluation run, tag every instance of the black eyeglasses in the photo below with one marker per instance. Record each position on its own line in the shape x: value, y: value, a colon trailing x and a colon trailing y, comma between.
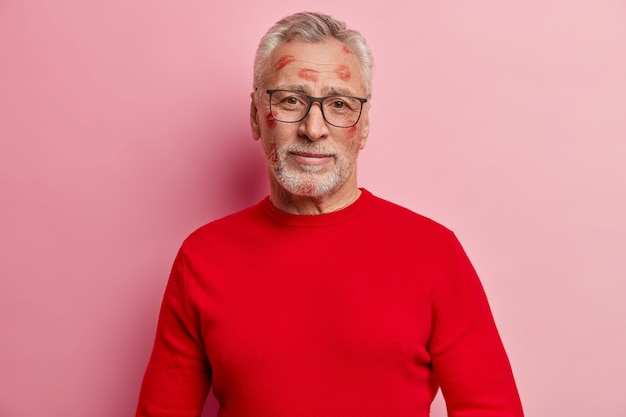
x: 289, y: 106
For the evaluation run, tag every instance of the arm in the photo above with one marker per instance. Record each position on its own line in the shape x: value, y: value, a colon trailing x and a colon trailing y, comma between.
x: 468, y: 357
x: 178, y: 376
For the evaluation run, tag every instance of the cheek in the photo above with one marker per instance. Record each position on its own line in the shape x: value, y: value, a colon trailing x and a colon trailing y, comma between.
x: 350, y: 133
x: 273, y: 153
x: 271, y: 122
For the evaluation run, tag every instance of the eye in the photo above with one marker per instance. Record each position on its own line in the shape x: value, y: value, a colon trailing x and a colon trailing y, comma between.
x: 289, y: 99
x: 338, y: 104
x: 342, y: 104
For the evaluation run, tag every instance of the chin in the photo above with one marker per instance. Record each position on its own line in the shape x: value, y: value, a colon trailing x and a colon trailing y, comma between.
x: 309, y: 185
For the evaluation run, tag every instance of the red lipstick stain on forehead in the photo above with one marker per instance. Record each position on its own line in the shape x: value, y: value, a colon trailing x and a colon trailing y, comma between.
x: 308, y: 74
x: 283, y: 61
x: 343, y: 72
x: 347, y: 50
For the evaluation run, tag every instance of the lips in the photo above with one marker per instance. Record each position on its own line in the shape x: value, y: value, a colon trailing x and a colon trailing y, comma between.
x: 308, y: 158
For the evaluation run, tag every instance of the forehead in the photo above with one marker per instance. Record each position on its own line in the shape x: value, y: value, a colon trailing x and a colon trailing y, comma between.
x: 316, y: 66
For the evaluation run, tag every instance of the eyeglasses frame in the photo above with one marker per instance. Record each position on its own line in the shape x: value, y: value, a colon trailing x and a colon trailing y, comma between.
x: 319, y: 100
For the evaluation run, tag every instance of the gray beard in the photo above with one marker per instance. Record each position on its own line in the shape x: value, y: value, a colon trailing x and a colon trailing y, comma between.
x: 306, y: 179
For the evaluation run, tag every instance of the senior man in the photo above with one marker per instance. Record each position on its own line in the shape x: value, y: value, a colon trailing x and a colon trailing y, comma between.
x: 323, y: 300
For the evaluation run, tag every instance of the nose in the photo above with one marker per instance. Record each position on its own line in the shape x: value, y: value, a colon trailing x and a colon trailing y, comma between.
x: 314, y: 127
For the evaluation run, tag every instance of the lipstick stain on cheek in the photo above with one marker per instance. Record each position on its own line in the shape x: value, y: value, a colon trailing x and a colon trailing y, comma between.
x: 308, y: 74
x: 284, y: 61
x: 343, y: 72
x: 351, y: 133
x: 271, y: 122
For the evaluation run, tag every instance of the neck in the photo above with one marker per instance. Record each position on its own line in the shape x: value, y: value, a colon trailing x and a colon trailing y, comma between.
x: 313, y: 205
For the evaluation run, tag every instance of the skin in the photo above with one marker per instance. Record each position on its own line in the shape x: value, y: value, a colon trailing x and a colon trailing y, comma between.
x: 311, y: 164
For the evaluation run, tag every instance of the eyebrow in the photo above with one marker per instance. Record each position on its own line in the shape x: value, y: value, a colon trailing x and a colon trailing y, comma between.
x: 330, y: 91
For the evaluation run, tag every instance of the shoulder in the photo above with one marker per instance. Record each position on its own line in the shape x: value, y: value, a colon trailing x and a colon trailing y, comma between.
x: 225, y: 228
x: 404, y: 220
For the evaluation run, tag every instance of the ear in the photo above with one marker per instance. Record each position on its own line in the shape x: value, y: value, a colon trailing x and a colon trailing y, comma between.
x: 254, y: 117
x: 365, y: 130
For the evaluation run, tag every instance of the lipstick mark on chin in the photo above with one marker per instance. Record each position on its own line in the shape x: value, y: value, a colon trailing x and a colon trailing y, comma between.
x: 307, y: 189
x: 343, y: 72
x: 347, y: 50
x: 271, y: 122
x: 284, y: 61
x: 308, y: 74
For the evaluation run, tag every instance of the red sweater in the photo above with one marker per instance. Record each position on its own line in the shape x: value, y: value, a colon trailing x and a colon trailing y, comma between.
x: 361, y: 312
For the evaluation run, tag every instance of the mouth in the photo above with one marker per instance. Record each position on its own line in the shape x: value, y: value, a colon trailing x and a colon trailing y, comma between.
x: 308, y: 158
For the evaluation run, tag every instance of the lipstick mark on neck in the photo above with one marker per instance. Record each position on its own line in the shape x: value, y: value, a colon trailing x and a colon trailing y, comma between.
x: 343, y: 72
x: 284, y: 61
x: 308, y: 74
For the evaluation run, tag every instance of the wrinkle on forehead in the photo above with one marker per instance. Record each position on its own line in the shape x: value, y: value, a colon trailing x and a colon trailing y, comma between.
x: 343, y: 72
x: 324, y: 66
x: 308, y: 74
x: 325, y: 91
x: 283, y: 61
x: 331, y: 66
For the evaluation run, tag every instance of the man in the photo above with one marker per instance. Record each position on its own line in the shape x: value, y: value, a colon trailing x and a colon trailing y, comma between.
x: 323, y: 300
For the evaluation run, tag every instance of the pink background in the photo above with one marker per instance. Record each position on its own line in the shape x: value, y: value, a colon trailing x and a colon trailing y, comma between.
x: 124, y: 126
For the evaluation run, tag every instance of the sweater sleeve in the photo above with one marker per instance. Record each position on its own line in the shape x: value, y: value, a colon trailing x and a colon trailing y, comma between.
x: 178, y: 376
x: 467, y: 355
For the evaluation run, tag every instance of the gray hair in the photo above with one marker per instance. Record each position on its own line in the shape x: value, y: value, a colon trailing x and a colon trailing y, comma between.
x: 312, y: 27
